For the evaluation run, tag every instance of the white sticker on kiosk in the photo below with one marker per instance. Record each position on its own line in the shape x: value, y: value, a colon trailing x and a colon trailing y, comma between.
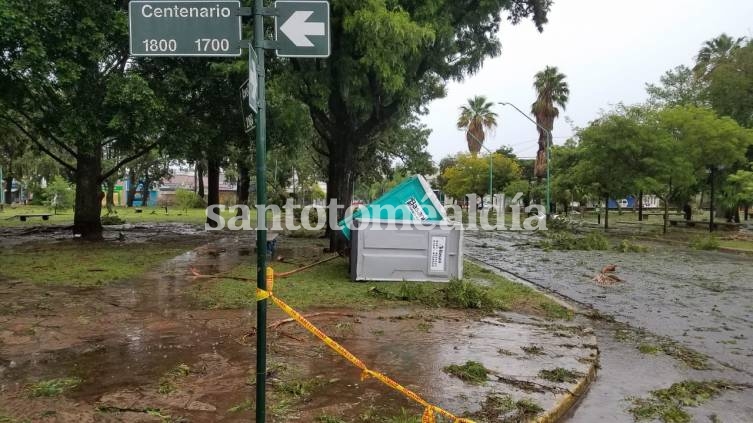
x: 415, y: 209
x: 438, y: 253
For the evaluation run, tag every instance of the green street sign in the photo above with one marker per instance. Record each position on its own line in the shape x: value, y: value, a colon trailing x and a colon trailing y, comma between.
x: 185, y: 28
x: 302, y: 28
x: 247, y: 112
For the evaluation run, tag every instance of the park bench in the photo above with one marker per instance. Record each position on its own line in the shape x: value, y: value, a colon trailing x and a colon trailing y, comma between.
x: 729, y: 226
x: 24, y: 217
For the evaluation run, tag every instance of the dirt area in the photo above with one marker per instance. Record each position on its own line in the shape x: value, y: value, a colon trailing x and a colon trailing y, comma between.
x: 144, y: 350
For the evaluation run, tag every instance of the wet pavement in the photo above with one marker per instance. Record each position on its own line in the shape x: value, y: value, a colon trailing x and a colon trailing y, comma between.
x: 144, y: 350
x: 702, y: 301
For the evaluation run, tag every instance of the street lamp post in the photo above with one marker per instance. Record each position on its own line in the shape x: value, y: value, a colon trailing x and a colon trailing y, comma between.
x: 491, y: 165
x: 548, y: 154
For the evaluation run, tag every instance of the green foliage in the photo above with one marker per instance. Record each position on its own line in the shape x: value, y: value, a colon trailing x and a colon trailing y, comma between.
x: 565, y: 241
x: 470, y: 175
x: 60, y: 193
x: 706, y: 243
x: 668, y: 404
x: 467, y: 295
x: 472, y: 372
x: 187, y: 199
x: 677, y: 87
x: 551, y: 91
x: 476, y: 119
x: 53, y: 387
x: 390, y: 60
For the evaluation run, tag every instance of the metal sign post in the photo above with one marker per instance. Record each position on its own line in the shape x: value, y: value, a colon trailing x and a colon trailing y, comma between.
x: 202, y: 28
x: 261, y: 228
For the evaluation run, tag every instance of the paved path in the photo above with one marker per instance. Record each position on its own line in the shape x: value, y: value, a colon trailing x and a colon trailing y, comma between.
x: 701, y: 300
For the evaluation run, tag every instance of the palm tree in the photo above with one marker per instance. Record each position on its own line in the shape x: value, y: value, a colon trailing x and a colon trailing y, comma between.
x: 552, y: 91
x: 714, y: 52
x: 477, y: 118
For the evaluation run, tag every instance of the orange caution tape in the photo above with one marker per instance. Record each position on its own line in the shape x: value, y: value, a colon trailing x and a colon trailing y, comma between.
x: 429, y: 410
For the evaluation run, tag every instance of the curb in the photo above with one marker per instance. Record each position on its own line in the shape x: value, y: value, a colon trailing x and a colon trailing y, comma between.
x: 569, y: 399
x: 564, y: 404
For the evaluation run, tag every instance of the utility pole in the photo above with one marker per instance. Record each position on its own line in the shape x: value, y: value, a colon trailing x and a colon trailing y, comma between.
x: 548, y: 155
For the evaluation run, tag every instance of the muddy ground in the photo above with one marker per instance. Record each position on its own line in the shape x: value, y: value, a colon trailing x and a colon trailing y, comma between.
x: 144, y: 350
x: 700, y: 300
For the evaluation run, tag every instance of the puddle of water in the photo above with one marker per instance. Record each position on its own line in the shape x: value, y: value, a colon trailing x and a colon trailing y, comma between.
x: 122, y: 339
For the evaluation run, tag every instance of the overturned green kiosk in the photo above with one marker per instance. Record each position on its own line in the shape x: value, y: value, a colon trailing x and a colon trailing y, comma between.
x: 404, y: 235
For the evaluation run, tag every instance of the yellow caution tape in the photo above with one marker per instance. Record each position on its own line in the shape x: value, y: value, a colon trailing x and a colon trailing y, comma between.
x: 429, y: 409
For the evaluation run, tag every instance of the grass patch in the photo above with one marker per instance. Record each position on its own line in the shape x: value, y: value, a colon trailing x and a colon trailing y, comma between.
x: 560, y: 375
x: 300, y: 389
x: 737, y: 244
x: 168, y: 381
x: 532, y: 349
x: 668, y: 404
x: 404, y: 417
x: 528, y: 408
x: 502, y: 408
x: 128, y: 215
x: 326, y: 418
x: 627, y: 246
x: 84, y: 264
x: 472, y: 372
x: 648, y: 349
x: 328, y: 285
x: 53, y: 387
x: 246, y: 405
x: 705, y: 243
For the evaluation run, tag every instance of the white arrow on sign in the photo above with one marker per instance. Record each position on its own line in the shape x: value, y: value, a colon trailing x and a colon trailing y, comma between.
x: 298, y: 30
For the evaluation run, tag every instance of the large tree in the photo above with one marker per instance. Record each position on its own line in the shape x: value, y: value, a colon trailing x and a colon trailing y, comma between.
x: 476, y: 119
x: 677, y: 87
x: 715, y: 52
x: 730, y: 86
x: 470, y: 175
x: 67, y: 87
x: 388, y: 60
x: 551, y: 91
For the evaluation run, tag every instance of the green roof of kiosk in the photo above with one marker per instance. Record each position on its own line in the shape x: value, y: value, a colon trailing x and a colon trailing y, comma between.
x: 412, y: 199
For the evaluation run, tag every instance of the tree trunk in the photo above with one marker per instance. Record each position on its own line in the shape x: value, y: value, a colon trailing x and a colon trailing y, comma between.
x: 200, y: 176
x: 244, y: 183
x: 606, y: 213
x: 747, y: 211
x: 640, y: 206
x: 9, y: 190
x: 86, y: 218
x: 213, y: 180
x: 145, y: 190
x: 110, y: 195
x: 131, y: 187
x: 666, y: 215
x: 341, y: 180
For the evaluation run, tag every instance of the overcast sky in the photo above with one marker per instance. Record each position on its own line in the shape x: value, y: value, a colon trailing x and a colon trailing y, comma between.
x: 608, y: 49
